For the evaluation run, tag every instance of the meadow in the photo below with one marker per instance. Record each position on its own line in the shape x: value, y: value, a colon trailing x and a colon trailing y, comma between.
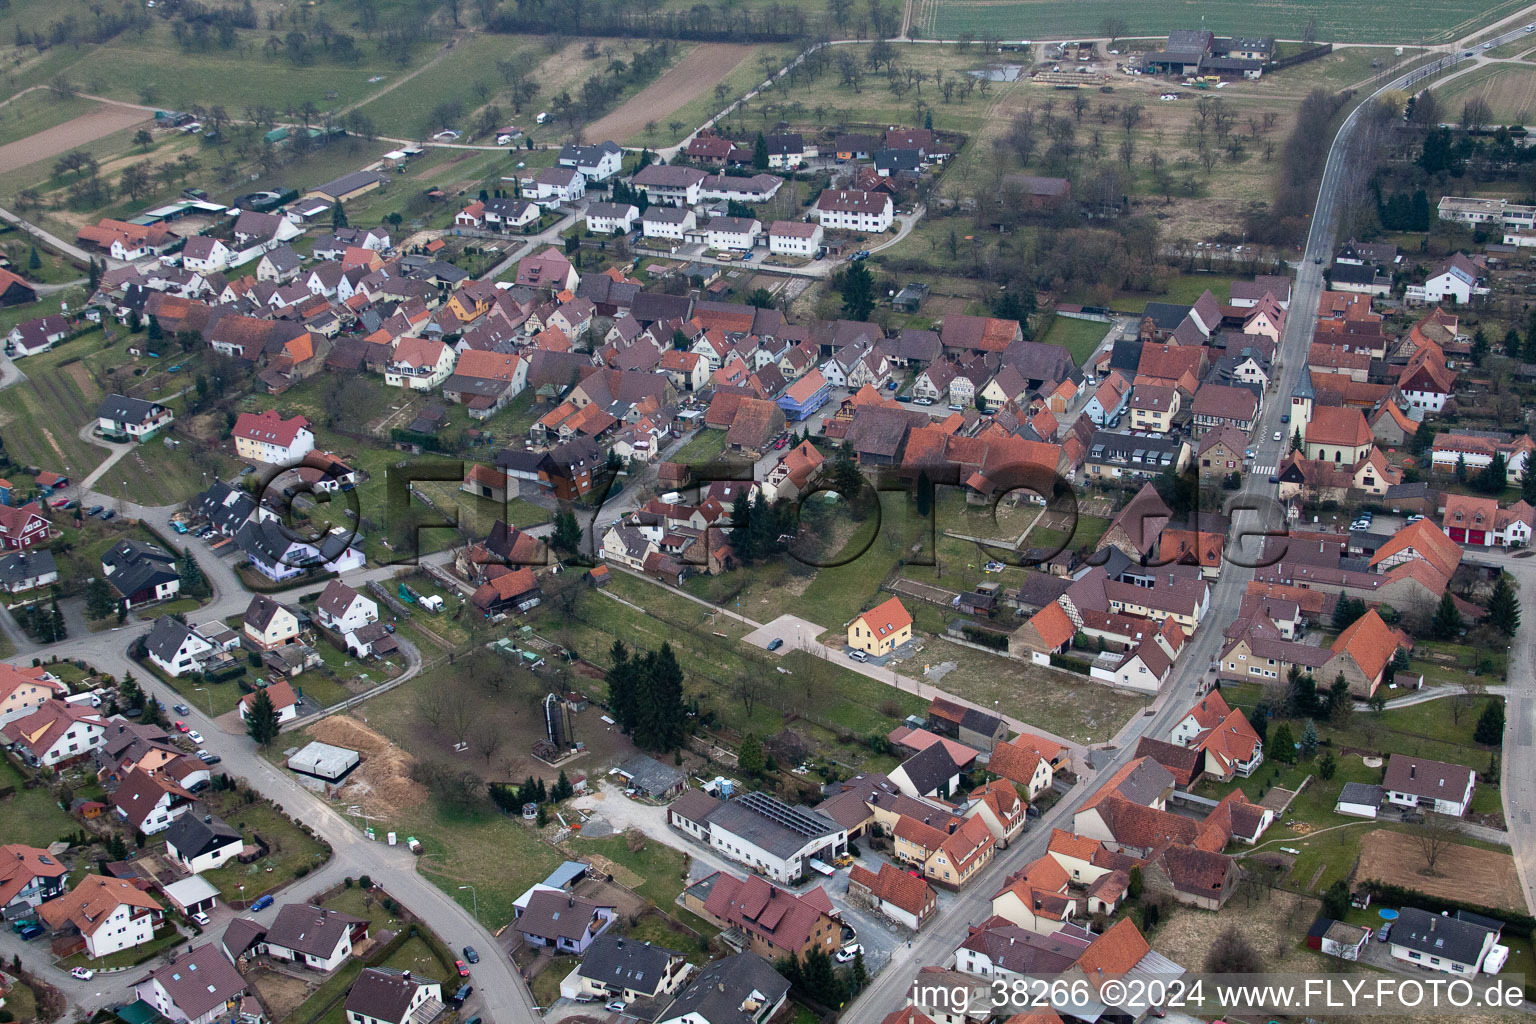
x: 1413, y: 21
x: 1508, y: 89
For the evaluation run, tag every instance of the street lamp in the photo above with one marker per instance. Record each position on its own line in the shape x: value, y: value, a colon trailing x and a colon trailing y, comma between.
x: 475, y: 898
x: 204, y: 689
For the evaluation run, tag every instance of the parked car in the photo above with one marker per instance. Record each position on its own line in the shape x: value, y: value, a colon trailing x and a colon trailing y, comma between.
x: 462, y: 968
x: 262, y: 904
x: 775, y: 643
x: 94, y: 510
x: 83, y: 973
x: 1277, y: 435
x: 181, y: 726
x: 179, y: 526
x: 108, y: 514
x: 616, y: 1005
x: 462, y: 994
x: 194, y: 736
x: 847, y: 954
x: 201, y: 918
x: 208, y: 758
x: 181, y: 709
x: 470, y: 955
x: 859, y: 655
x: 30, y: 932
x: 1386, y: 930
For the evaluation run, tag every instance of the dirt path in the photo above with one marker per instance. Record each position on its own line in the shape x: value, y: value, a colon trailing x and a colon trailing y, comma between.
x: 692, y: 76
x: 106, y: 119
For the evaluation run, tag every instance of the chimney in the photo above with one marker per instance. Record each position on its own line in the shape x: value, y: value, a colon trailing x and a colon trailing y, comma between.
x: 620, y: 943
x: 570, y: 901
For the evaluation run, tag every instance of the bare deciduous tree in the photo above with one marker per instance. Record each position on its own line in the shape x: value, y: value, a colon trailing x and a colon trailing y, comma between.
x: 1434, y: 839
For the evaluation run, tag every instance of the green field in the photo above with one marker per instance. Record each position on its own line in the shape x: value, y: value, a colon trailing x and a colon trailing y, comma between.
x: 1079, y: 337
x: 1416, y: 21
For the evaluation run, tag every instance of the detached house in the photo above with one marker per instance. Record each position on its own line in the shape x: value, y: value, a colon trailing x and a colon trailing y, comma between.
x: 55, y: 732
x: 419, y: 363
x: 1429, y: 785
x: 882, y: 629
x: 110, y: 914
x: 197, y: 987
x: 119, y: 417
x: 385, y: 995
x: 284, y: 701
x: 561, y: 921
x: 315, y: 937
x: 851, y: 210
x: 29, y: 876
x: 267, y: 437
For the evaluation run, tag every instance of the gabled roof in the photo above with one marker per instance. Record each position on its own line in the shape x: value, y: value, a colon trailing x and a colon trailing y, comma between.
x: 199, y: 981
x: 1370, y: 642
x: 91, y: 902
x: 886, y: 618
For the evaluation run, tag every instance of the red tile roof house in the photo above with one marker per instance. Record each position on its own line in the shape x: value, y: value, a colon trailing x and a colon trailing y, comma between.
x: 899, y: 896
x: 775, y: 921
x: 110, y: 914
x: 29, y: 876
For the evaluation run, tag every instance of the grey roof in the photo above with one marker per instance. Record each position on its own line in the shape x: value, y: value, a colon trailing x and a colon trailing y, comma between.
x: 1427, y: 779
x: 199, y: 980
x: 768, y: 822
x: 650, y: 775
x: 339, y: 187
x: 383, y: 993
x: 1165, y: 316
x: 1360, y: 793
x: 720, y: 990
x: 225, y: 507
x: 261, y: 611
x: 1452, y: 938
x: 567, y: 873
x: 323, y: 759
x: 1144, y: 785
x: 193, y: 836
x: 930, y: 768
x: 552, y: 915
x: 619, y: 964
x: 306, y: 928
x: 141, y: 576
x: 241, y: 935
x: 123, y: 409
x: 19, y: 566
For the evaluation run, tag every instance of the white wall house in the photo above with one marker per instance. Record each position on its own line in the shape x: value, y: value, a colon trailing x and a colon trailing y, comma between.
x: 794, y: 238
x: 670, y: 222
x: 851, y: 210
x: 606, y: 218
x: 733, y: 234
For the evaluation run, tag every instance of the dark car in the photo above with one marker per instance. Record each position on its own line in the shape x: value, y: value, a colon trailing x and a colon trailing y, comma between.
x: 93, y: 510
x: 470, y: 955
x: 263, y: 903
x: 30, y: 932
x: 463, y: 993
x: 1273, y: 478
x: 181, y: 709
x: 1386, y: 930
x: 775, y: 643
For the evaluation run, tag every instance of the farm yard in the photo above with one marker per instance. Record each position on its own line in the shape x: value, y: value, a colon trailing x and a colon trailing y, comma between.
x: 1414, y: 21
x: 1508, y: 89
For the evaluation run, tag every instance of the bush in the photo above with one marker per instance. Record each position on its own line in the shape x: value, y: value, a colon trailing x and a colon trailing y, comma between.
x: 364, y: 882
x: 301, y: 871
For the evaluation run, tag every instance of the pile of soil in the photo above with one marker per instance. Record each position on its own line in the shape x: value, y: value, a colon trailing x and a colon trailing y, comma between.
x: 382, y: 783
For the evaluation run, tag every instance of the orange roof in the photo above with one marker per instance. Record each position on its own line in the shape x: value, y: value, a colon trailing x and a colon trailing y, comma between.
x: 418, y: 352
x: 895, y: 886
x: 90, y: 903
x: 280, y: 693
x: 1370, y: 642
x: 1054, y: 625
x: 1015, y: 761
x: 886, y: 618
x: 1339, y: 425
x: 19, y: 865
x: 1202, y: 548
x: 1113, y: 953
x: 486, y: 365
x: 1429, y: 541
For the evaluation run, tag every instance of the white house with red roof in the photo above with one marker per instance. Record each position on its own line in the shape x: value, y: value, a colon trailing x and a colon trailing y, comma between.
x: 28, y: 876
x: 24, y: 690
x: 267, y: 437
x: 419, y: 364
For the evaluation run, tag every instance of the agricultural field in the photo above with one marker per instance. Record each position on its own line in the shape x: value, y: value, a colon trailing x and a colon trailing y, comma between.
x: 1508, y: 89
x: 1416, y: 21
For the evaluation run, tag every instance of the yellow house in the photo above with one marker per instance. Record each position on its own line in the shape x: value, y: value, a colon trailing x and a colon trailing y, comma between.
x: 881, y: 629
x: 1153, y: 407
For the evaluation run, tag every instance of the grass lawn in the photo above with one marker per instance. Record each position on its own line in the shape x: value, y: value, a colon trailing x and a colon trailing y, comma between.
x: 662, y: 870
x: 703, y: 447
x: 289, y: 849
x: 20, y: 1002
x: 545, y: 985
x: 42, y: 415
x: 168, y: 938
x: 31, y: 816
x: 1078, y: 337
x: 154, y: 474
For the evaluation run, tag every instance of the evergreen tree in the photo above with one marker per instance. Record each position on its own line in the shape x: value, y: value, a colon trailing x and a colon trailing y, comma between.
x: 193, y: 582
x: 1296, y: 442
x: 1528, y: 488
x: 1336, y: 900
x: 261, y: 719
x: 156, y: 332
x: 1309, y: 741
x: 1134, y: 885
x: 1327, y: 766
x: 750, y: 758
x: 338, y: 217
x: 622, y: 696
x: 845, y: 478
x: 154, y: 712
x: 1461, y: 469
x: 1283, y: 745
x: 741, y: 526
x: 129, y: 693
x: 1512, y: 343
x: 1494, y: 476
x: 860, y: 974
x: 567, y: 535
x: 1259, y: 719
x: 1345, y: 611
x: 924, y: 494
x: 543, y: 793
x: 35, y: 260
x: 1490, y: 725
x: 563, y: 788
x: 1503, y: 608
x: 1479, y: 346
x: 1338, y: 696
x: 1446, y: 624
x: 98, y: 599
x: 660, y: 720
x: 95, y: 274
x: 760, y: 153
x: 858, y: 292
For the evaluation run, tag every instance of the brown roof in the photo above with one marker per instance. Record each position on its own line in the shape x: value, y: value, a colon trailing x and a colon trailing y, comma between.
x: 383, y: 993
x: 552, y: 915
x: 91, y: 902
x: 1195, y: 871
x: 1423, y: 778
x: 1339, y: 425
x: 200, y: 980
x: 894, y: 886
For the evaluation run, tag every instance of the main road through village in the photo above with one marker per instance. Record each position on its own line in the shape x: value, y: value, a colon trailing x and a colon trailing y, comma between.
x: 503, y: 996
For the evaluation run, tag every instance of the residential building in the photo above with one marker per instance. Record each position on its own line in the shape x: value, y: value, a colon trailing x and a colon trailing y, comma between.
x: 199, y: 845
x: 611, y: 218
x: 903, y: 898
x: 284, y: 700
x: 141, y: 573
x: 739, y: 989
x: 197, y: 987
x: 629, y: 970
x: 1456, y: 943
x: 670, y: 186
x: 267, y: 437
x: 794, y: 238
x: 314, y: 937
x: 55, y: 732
x: 24, y: 690
x: 774, y: 922
x: 1429, y: 785
x: 597, y: 162
x: 386, y: 995
x: 29, y: 876
x: 109, y: 914
x: 119, y: 417
x: 562, y: 922
x: 852, y: 210
x: 670, y: 222
x: 882, y: 629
